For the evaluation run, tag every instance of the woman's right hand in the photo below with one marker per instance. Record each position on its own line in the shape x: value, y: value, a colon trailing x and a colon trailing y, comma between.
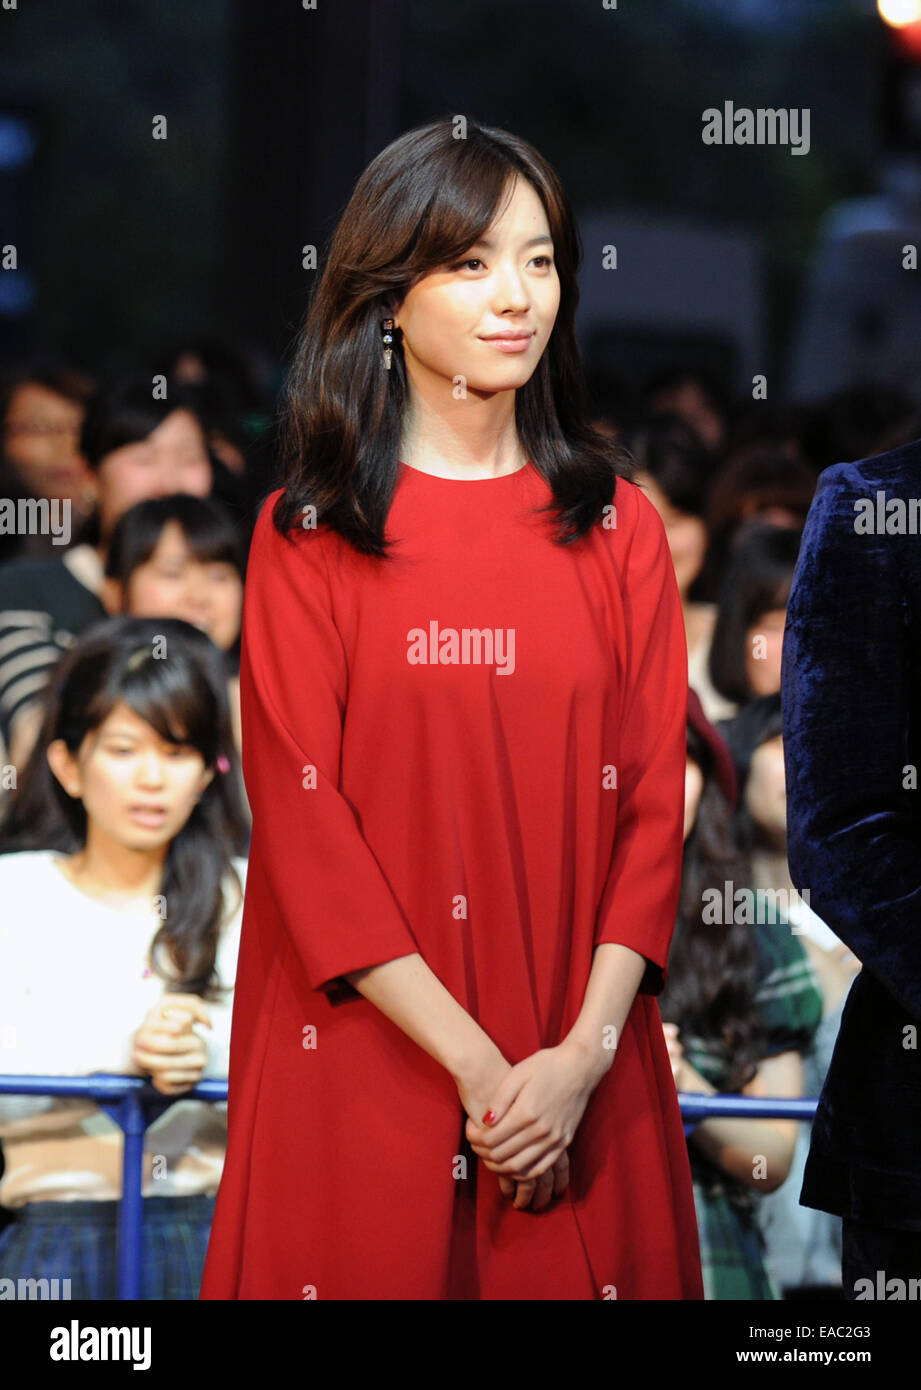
x: 476, y: 1086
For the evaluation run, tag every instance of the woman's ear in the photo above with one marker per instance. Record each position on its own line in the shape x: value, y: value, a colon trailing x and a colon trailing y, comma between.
x: 64, y: 766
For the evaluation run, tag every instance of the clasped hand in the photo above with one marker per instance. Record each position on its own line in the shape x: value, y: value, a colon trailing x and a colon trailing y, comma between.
x: 534, y: 1109
x: 166, y: 1046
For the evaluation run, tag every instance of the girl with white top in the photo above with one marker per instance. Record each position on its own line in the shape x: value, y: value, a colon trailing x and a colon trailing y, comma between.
x: 121, y: 877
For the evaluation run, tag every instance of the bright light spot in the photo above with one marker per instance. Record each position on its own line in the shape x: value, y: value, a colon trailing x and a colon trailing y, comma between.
x: 899, y: 13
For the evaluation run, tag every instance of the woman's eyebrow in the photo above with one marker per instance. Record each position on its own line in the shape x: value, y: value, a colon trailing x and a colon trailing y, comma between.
x: 532, y: 241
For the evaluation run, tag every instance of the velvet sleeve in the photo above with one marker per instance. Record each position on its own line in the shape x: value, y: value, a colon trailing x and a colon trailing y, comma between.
x: 329, y: 891
x: 639, y: 902
x: 852, y: 828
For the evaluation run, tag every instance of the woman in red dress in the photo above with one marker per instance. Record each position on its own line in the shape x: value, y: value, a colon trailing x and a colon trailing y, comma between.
x: 464, y: 692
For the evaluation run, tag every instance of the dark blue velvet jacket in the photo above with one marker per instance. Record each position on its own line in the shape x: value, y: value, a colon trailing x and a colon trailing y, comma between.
x: 851, y: 696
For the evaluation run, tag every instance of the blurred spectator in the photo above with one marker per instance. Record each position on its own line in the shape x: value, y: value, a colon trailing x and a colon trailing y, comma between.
x: 42, y: 406
x: 765, y: 428
x: 137, y: 447
x: 234, y: 387
x: 745, y: 654
x: 182, y: 557
x: 673, y: 469
x: 697, y: 397
x: 124, y: 806
x: 740, y: 1006
x: 766, y: 486
x: 803, y: 1247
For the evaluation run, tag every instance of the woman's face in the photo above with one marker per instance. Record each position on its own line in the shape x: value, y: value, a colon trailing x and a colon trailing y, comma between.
x: 763, y: 652
x: 41, y: 434
x: 173, y: 458
x: 766, y: 791
x: 174, y: 584
x: 693, y: 787
x: 124, y: 766
x: 508, y: 284
x: 687, y: 534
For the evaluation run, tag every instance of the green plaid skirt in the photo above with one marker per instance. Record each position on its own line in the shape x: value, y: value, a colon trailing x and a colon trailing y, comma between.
x: 731, y: 1246
x: 77, y: 1241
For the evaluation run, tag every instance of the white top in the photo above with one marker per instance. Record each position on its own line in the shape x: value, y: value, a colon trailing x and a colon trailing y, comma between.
x: 75, y: 986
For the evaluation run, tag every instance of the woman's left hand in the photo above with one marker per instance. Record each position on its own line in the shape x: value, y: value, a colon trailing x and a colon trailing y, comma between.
x: 537, y: 1109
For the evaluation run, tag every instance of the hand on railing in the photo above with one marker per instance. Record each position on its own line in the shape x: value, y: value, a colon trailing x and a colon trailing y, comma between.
x: 167, y: 1048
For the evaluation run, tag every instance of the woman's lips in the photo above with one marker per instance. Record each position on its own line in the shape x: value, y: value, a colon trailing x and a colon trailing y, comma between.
x: 509, y: 344
x: 147, y: 815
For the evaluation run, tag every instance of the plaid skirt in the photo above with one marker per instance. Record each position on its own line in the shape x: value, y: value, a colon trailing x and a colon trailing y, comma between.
x: 77, y: 1241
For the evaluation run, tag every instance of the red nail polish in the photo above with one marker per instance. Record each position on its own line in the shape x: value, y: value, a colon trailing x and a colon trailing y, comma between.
x: 489, y: 1117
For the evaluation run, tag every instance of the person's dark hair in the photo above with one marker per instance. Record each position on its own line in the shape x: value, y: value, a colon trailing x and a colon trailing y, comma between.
x: 712, y: 969
x: 747, y: 486
x: 677, y: 374
x: 123, y: 411
x: 240, y: 374
x: 672, y: 452
x: 419, y: 205
x: 171, y: 675
x: 210, y: 532
x: 757, y: 581
x: 759, y: 720
x: 44, y: 369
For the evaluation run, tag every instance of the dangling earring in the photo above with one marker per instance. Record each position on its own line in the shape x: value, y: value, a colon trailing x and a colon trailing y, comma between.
x: 387, y: 339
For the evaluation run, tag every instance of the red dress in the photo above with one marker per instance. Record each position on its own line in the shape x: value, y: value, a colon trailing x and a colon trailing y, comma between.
x: 430, y: 751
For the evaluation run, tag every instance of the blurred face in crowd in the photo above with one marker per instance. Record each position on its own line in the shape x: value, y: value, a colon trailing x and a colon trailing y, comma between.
x: 766, y: 792
x: 509, y: 286
x: 693, y: 405
x: 137, y: 789
x: 173, y: 583
x: 173, y: 458
x: 687, y: 534
x: 763, y: 651
x: 41, y: 433
x: 693, y: 787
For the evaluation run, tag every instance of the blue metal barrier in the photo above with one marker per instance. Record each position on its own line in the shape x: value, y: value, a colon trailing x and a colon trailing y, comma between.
x: 133, y: 1104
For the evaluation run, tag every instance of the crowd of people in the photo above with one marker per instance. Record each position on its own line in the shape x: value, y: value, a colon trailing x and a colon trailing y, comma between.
x: 164, y: 484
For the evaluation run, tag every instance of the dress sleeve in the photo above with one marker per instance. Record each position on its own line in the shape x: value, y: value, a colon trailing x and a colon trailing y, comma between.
x: 329, y: 891
x: 639, y: 903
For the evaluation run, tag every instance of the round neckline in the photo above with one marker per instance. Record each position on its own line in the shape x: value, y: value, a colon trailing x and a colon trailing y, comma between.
x: 437, y: 478
x: 144, y: 912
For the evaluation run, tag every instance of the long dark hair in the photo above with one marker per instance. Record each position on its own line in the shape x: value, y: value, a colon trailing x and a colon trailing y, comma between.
x: 182, y: 694
x: 712, y: 970
x: 420, y: 204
